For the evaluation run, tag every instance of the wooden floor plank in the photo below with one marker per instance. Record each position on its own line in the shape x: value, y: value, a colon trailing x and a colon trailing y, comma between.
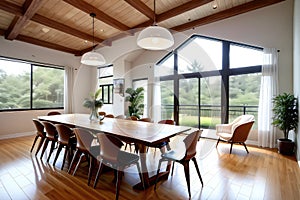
x: 261, y: 174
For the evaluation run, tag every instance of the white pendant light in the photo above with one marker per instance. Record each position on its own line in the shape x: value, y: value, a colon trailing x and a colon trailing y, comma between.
x: 93, y: 58
x: 155, y: 37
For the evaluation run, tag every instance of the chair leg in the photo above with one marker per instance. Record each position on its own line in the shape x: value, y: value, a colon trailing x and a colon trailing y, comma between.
x: 73, y: 160
x: 78, y: 163
x: 231, y: 147
x: 65, y: 156
x: 168, y: 146
x: 98, y: 174
x: 51, y: 150
x: 35, y: 139
x: 197, y: 168
x: 60, y: 146
x: 118, y: 184
x: 45, y: 147
x: 245, y: 147
x: 187, y: 176
x: 157, y: 173
x: 40, y: 145
x: 172, y: 168
x: 91, y: 162
x: 218, y: 142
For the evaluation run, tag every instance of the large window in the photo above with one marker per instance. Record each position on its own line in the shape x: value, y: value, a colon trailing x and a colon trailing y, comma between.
x: 144, y: 84
x: 25, y: 85
x: 106, y: 83
x: 213, y: 81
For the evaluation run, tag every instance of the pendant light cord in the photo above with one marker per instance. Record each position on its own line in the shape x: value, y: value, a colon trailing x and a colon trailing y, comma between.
x: 93, y: 15
x: 154, y: 18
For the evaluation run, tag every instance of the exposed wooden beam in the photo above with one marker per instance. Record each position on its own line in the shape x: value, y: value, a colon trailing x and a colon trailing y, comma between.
x: 11, y: 8
x: 38, y: 42
x: 252, y: 5
x: 140, y: 6
x: 30, y: 7
x: 181, y: 9
x: 85, y: 7
x: 64, y: 28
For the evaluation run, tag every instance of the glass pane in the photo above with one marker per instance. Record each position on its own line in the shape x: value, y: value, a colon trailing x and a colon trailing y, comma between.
x: 244, y: 95
x: 165, y: 68
x: 105, y: 90
x: 167, y: 99
x: 110, y: 94
x: 105, y: 81
x: 189, y: 102
x: 48, y: 87
x: 144, y: 84
x: 200, y: 55
x: 244, y: 56
x: 106, y: 71
x: 14, y: 85
x: 210, y: 99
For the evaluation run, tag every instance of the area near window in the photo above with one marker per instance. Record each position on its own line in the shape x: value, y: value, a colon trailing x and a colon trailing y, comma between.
x: 25, y: 85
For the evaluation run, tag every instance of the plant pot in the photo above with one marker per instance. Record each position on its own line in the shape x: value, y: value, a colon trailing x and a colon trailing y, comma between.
x: 286, y: 146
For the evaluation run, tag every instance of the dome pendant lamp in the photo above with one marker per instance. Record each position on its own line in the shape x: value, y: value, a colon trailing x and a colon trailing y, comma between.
x: 93, y: 58
x: 155, y: 37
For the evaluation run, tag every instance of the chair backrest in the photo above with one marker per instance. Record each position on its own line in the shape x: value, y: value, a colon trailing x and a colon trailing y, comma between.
x: 190, y: 142
x: 84, y: 139
x: 39, y: 127
x: 167, y: 121
x: 64, y: 133
x: 109, y: 147
x: 109, y: 116
x: 53, y: 113
x: 51, y: 131
x: 241, y: 120
x: 121, y: 117
x: 102, y: 113
x: 241, y: 132
x: 132, y: 118
x: 147, y: 119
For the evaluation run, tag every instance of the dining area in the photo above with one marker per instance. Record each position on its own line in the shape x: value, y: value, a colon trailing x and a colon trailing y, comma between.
x: 101, y: 147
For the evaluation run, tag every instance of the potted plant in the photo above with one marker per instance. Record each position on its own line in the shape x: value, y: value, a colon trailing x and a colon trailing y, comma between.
x: 93, y: 104
x: 285, y: 108
x: 136, y: 99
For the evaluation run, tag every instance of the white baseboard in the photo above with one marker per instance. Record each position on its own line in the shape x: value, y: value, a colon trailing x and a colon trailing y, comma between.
x: 15, y: 135
x: 252, y: 142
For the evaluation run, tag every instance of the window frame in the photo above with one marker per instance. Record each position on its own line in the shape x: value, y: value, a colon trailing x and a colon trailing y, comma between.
x: 110, y: 87
x: 225, y: 72
x: 32, y: 65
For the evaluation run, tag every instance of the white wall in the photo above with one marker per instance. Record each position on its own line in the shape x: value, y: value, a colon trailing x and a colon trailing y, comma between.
x: 297, y: 65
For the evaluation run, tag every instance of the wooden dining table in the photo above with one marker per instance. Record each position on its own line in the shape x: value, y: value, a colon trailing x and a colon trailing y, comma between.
x: 141, y: 133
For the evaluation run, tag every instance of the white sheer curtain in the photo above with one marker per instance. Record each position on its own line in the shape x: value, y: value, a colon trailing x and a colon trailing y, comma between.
x: 268, y: 89
x: 69, y: 82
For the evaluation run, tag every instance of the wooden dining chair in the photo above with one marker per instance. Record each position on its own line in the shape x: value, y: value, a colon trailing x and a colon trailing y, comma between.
x: 53, y: 113
x: 51, y: 135
x: 132, y: 118
x: 84, y: 148
x: 109, y: 116
x: 146, y: 119
x: 102, y: 113
x: 40, y: 133
x: 111, y: 156
x: 176, y: 155
x: 67, y: 139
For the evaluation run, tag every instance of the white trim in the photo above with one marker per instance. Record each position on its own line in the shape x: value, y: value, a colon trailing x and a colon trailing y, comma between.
x: 15, y: 135
x: 252, y: 142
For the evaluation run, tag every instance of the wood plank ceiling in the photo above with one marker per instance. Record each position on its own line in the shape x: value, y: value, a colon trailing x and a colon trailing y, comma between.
x: 66, y: 25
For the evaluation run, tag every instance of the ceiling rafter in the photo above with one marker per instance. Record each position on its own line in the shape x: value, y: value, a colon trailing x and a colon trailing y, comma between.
x: 142, y: 8
x: 42, y: 43
x: 11, y: 8
x: 29, y: 8
x: 252, y: 5
x: 64, y: 28
x: 85, y: 7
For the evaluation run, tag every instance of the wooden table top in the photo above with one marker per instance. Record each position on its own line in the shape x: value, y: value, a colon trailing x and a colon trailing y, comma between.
x: 140, y: 132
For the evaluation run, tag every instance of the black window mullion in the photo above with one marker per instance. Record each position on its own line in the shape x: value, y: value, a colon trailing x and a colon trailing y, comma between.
x: 31, y: 87
x: 225, y: 80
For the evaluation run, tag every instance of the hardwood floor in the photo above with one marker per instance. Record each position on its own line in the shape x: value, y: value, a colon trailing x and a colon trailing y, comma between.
x: 261, y: 174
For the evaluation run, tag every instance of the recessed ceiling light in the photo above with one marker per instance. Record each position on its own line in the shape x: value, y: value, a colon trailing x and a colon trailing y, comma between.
x: 102, y: 30
x: 215, y: 6
x: 85, y: 41
x: 45, y: 30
